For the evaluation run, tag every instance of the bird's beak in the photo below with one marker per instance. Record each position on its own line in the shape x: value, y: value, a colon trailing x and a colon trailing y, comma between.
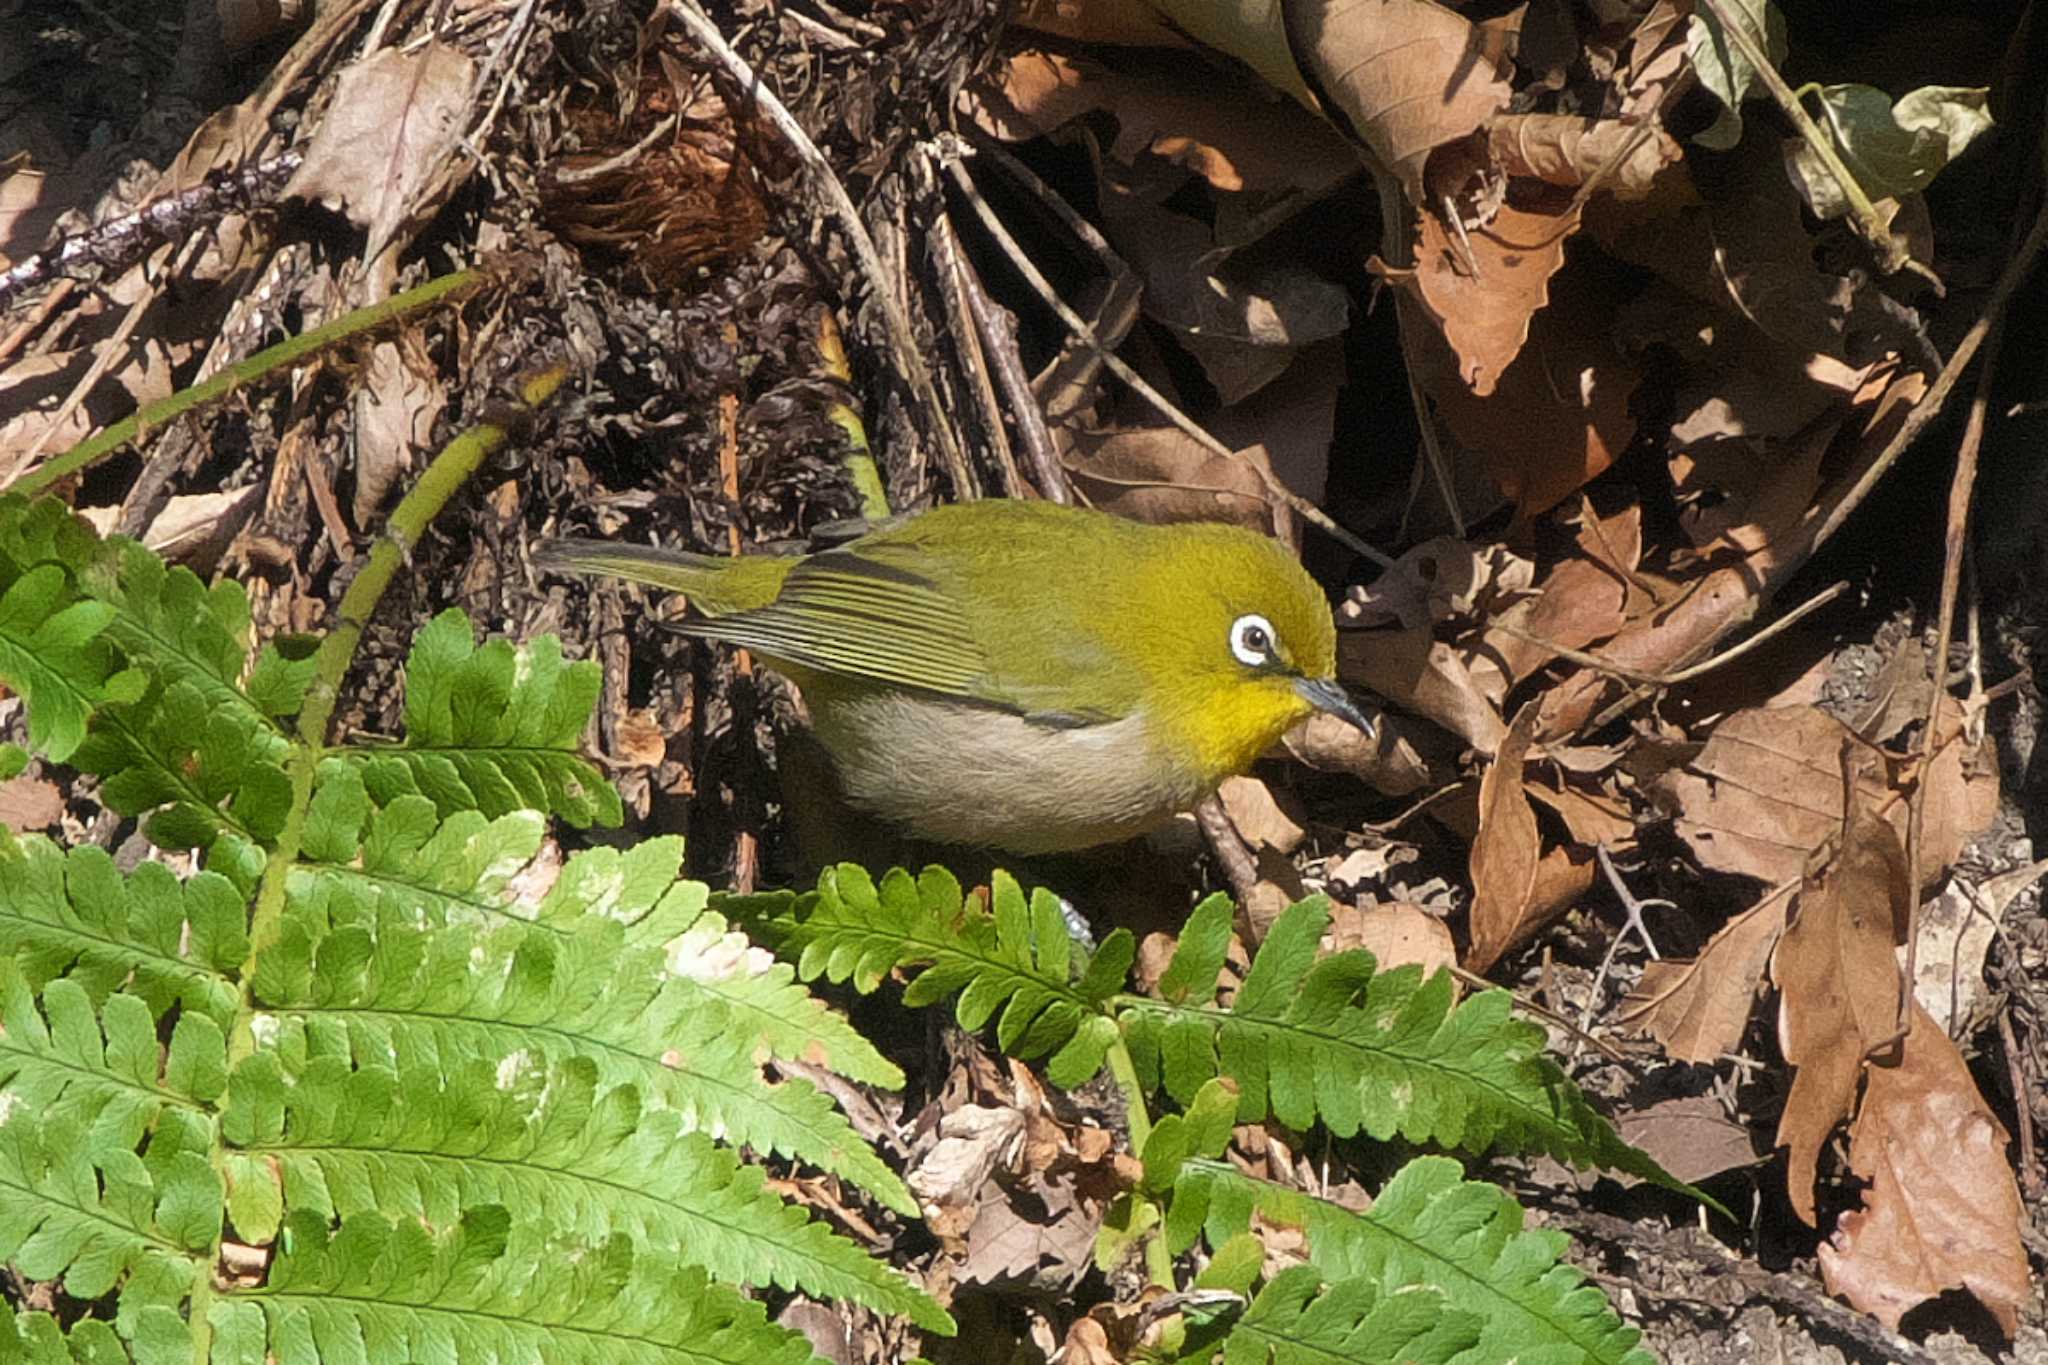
x: 1327, y: 694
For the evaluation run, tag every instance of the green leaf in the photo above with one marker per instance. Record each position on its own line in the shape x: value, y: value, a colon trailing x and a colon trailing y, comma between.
x: 1381, y: 1053
x: 164, y: 940
x: 50, y: 654
x: 1892, y: 150
x: 495, y: 729
x: 1297, y: 1319
x: 1430, y: 1228
x: 1016, y: 959
x: 395, y: 1290
x: 1723, y: 69
x: 428, y: 1140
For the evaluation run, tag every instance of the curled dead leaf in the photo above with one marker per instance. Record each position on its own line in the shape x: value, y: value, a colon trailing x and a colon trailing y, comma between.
x: 1943, y: 1209
x: 1408, y: 76
x: 1396, y: 934
x: 1564, y: 149
x: 1698, y: 1007
x: 1517, y: 885
x: 1838, y: 984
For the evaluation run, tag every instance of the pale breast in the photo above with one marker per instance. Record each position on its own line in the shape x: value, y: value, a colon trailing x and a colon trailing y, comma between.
x: 964, y: 774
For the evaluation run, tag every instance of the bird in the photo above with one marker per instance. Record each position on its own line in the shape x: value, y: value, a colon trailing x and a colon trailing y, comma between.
x: 1023, y: 676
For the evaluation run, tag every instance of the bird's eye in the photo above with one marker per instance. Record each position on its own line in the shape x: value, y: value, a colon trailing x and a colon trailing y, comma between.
x: 1251, y: 640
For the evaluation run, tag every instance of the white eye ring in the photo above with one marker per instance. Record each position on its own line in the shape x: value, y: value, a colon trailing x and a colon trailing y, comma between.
x: 1251, y: 640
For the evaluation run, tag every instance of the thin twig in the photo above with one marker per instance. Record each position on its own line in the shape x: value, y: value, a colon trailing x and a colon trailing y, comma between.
x: 950, y: 153
x: 1683, y: 675
x: 951, y: 264
x: 2016, y: 271
x: 1891, y: 254
x: 998, y: 334
x: 1955, y: 535
x: 1235, y: 857
x: 902, y: 340
x: 1634, y: 909
x: 1479, y: 983
x: 2022, y: 1103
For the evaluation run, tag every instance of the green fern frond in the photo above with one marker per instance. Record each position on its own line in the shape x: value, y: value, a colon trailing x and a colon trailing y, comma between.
x: 196, y: 768
x: 103, y: 633
x: 1430, y: 1227
x: 79, y: 1090
x: 1382, y: 1053
x: 389, y: 987
x: 494, y: 728
x: 487, y: 1290
x: 1299, y: 1319
x: 74, y: 915
x: 52, y: 654
x: 427, y: 1141
x: 1017, y: 958
x: 479, y: 1108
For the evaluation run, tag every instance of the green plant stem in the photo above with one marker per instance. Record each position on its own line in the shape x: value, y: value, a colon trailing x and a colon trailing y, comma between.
x: 861, y: 467
x: 1158, y: 1264
x: 288, y: 352
x: 458, y: 460
x: 1891, y: 254
x: 449, y: 470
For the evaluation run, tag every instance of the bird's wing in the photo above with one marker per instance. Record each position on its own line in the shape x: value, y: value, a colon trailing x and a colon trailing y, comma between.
x: 864, y: 612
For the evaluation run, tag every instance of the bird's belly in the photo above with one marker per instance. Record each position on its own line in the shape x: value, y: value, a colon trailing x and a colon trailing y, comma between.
x: 965, y: 774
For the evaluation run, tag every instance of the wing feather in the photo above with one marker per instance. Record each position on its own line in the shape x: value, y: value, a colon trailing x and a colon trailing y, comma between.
x: 847, y: 612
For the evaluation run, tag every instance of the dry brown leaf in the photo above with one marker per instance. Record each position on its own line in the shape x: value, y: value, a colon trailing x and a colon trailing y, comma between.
x: 1245, y: 316
x: 1698, y: 1007
x: 1087, y: 1343
x: 1517, y: 887
x: 1392, y: 762
x: 1406, y: 74
x: 1578, y: 603
x: 1559, y: 414
x: 1712, y: 604
x: 1954, y: 931
x: 1564, y: 149
x: 1418, y: 673
x: 1613, y: 542
x: 1592, y: 817
x: 29, y: 803
x: 974, y: 1141
x: 1482, y: 288
x: 1441, y: 579
x: 1133, y: 22
x: 1838, y: 984
x: 1258, y: 816
x: 1161, y: 474
x: 1222, y: 130
x: 1396, y: 934
x: 1943, y: 1210
x: 1765, y: 793
x: 386, y: 136
x: 1745, y: 250
x: 1691, y: 1136
x: 396, y: 406
x: 1036, y: 1234
x: 192, y: 528
x: 1899, y: 695
x: 1290, y: 421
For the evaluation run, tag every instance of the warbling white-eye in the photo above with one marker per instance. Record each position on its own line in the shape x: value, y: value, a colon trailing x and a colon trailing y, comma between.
x: 1021, y: 675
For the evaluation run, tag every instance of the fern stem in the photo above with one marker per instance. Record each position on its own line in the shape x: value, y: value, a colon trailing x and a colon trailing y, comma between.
x: 290, y: 351
x: 449, y: 470
x: 1158, y: 1264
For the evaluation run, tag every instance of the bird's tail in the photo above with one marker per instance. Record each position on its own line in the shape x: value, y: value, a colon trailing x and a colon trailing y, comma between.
x: 715, y: 585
